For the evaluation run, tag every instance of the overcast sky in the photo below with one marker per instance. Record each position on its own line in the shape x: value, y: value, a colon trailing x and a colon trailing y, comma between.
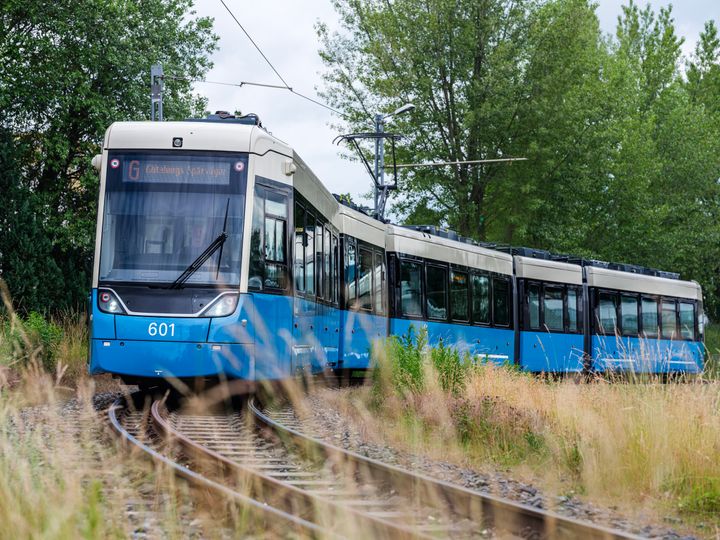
x: 284, y: 30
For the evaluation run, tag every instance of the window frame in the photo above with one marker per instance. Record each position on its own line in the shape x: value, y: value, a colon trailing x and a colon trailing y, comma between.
x: 638, y: 314
x: 445, y: 269
x: 421, y: 290
x: 468, y: 295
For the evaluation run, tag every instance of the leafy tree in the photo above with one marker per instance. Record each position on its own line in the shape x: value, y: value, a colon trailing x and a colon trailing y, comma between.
x: 70, y: 68
x: 623, y: 157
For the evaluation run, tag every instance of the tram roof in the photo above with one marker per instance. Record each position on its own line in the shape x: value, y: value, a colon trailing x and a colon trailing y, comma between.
x: 640, y: 283
x: 208, y: 136
x: 420, y: 244
x: 548, y: 270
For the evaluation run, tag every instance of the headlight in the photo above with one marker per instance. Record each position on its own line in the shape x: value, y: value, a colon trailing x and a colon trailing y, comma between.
x: 109, y: 303
x: 222, y: 307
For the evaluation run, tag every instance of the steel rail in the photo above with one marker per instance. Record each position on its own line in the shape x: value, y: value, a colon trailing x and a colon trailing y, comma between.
x: 272, y: 517
x: 279, y: 494
x: 496, y: 512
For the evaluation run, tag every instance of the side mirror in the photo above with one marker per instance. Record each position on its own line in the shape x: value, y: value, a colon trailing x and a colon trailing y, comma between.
x: 97, y: 162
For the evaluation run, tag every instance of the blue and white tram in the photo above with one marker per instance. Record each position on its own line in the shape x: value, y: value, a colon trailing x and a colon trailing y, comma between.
x: 550, y: 308
x: 462, y: 293
x: 220, y: 254
x: 643, y: 323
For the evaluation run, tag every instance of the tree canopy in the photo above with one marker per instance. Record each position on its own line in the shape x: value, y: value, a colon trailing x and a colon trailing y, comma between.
x: 70, y: 68
x: 620, y: 131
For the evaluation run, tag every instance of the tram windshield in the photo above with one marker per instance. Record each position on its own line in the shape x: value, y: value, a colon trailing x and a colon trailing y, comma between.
x: 164, y: 209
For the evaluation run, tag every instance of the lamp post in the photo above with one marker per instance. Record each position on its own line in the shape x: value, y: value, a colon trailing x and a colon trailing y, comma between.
x: 381, y: 188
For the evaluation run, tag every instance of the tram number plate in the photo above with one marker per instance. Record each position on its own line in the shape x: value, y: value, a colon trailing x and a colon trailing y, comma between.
x: 162, y: 329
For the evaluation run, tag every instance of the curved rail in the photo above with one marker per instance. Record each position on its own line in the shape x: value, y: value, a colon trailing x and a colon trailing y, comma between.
x: 496, y: 512
x: 272, y: 517
x: 324, y: 514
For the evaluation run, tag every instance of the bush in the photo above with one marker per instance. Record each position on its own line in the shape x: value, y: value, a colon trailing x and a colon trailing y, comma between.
x: 32, y: 338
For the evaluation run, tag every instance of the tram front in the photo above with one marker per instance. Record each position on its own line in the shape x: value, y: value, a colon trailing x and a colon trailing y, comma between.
x: 165, y: 301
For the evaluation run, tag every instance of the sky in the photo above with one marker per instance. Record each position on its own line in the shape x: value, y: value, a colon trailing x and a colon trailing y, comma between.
x: 284, y: 30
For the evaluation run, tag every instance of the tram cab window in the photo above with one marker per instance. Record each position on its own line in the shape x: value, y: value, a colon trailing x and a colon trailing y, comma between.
x: 410, y: 287
x: 481, y: 299
x: 365, y: 262
x: 572, y: 310
x: 459, y: 288
x: 268, y: 251
x: 300, y: 242
x: 650, y: 324
x: 350, y: 275
x: 436, y: 292
x: 687, y: 320
x: 553, y: 308
x: 669, y: 319
x: 607, y: 313
x: 501, y: 301
x: 629, y: 315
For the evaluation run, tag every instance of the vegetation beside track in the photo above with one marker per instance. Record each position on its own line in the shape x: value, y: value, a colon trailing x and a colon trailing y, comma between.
x: 650, y: 446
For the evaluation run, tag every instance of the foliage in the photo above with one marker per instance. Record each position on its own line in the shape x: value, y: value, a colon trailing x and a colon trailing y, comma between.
x: 623, y: 147
x: 70, y: 69
x: 566, y: 433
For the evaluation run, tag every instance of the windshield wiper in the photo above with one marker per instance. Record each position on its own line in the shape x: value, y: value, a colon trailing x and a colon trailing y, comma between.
x: 205, y: 255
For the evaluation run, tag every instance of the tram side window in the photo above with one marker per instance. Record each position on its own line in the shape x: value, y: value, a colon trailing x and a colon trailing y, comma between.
x: 669, y: 319
x: 553, y: 308
x: 459, y: 288
x: 572, y: 303
x: 607, y: 314
x: 310, y: 253
x: 687, y: 320
x: 319, y: 267
x: 379, y: 283
x: 501, y: 301
x: 533, y: 301
x: 299, y: 248
x: 436, y: 292
x: 481, y: 299
x: 327, y: 266
x: 650, y: 317
x: 629, y: 315
x: 350, y: 276
x: 365, y: 262
x: 268, y: 253
x: 336, y: 269
x: 410, y: 286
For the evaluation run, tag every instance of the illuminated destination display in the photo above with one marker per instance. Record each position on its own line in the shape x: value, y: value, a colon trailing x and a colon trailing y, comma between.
x: 173, y: 171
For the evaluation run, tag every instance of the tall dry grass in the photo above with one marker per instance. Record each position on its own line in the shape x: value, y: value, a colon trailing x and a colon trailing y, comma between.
x: 635, y: 444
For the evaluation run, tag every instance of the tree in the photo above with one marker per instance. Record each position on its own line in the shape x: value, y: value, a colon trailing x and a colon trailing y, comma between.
x: 623, y: 152
x: 70, y: 68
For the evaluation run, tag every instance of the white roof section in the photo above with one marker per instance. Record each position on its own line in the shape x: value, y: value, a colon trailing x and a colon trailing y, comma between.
x: 218, y: 136
x: 362, y: 226
x: 310, y: 187
x: 410, y: 242
x: 544, y: 270
x: 627, y: 281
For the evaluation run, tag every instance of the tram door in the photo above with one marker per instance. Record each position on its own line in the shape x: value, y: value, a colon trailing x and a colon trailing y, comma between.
x: 305, y: 347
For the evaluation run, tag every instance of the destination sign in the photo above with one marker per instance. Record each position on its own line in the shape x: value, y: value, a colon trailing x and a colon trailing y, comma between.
x: 173, y: 171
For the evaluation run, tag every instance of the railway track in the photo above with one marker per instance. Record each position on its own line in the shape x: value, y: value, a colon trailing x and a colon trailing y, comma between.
x: 264, y: 462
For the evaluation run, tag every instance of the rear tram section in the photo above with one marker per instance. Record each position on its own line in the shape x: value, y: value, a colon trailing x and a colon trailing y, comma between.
x: 220, y: 254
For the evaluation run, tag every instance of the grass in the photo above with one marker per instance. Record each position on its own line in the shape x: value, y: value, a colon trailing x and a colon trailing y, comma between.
x: 647, y: 446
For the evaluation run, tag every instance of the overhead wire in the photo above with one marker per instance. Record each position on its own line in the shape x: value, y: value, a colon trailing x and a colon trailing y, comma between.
x: 286, y: 87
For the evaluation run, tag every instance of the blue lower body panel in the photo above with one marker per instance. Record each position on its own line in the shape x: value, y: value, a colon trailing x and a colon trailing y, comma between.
x: 168, y: 359
x: 483, y: 343
x: 645, y: 355
x: 551, y: 352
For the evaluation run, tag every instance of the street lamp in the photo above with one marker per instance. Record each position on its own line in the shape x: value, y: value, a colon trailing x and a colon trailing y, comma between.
x: 381, y: 188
